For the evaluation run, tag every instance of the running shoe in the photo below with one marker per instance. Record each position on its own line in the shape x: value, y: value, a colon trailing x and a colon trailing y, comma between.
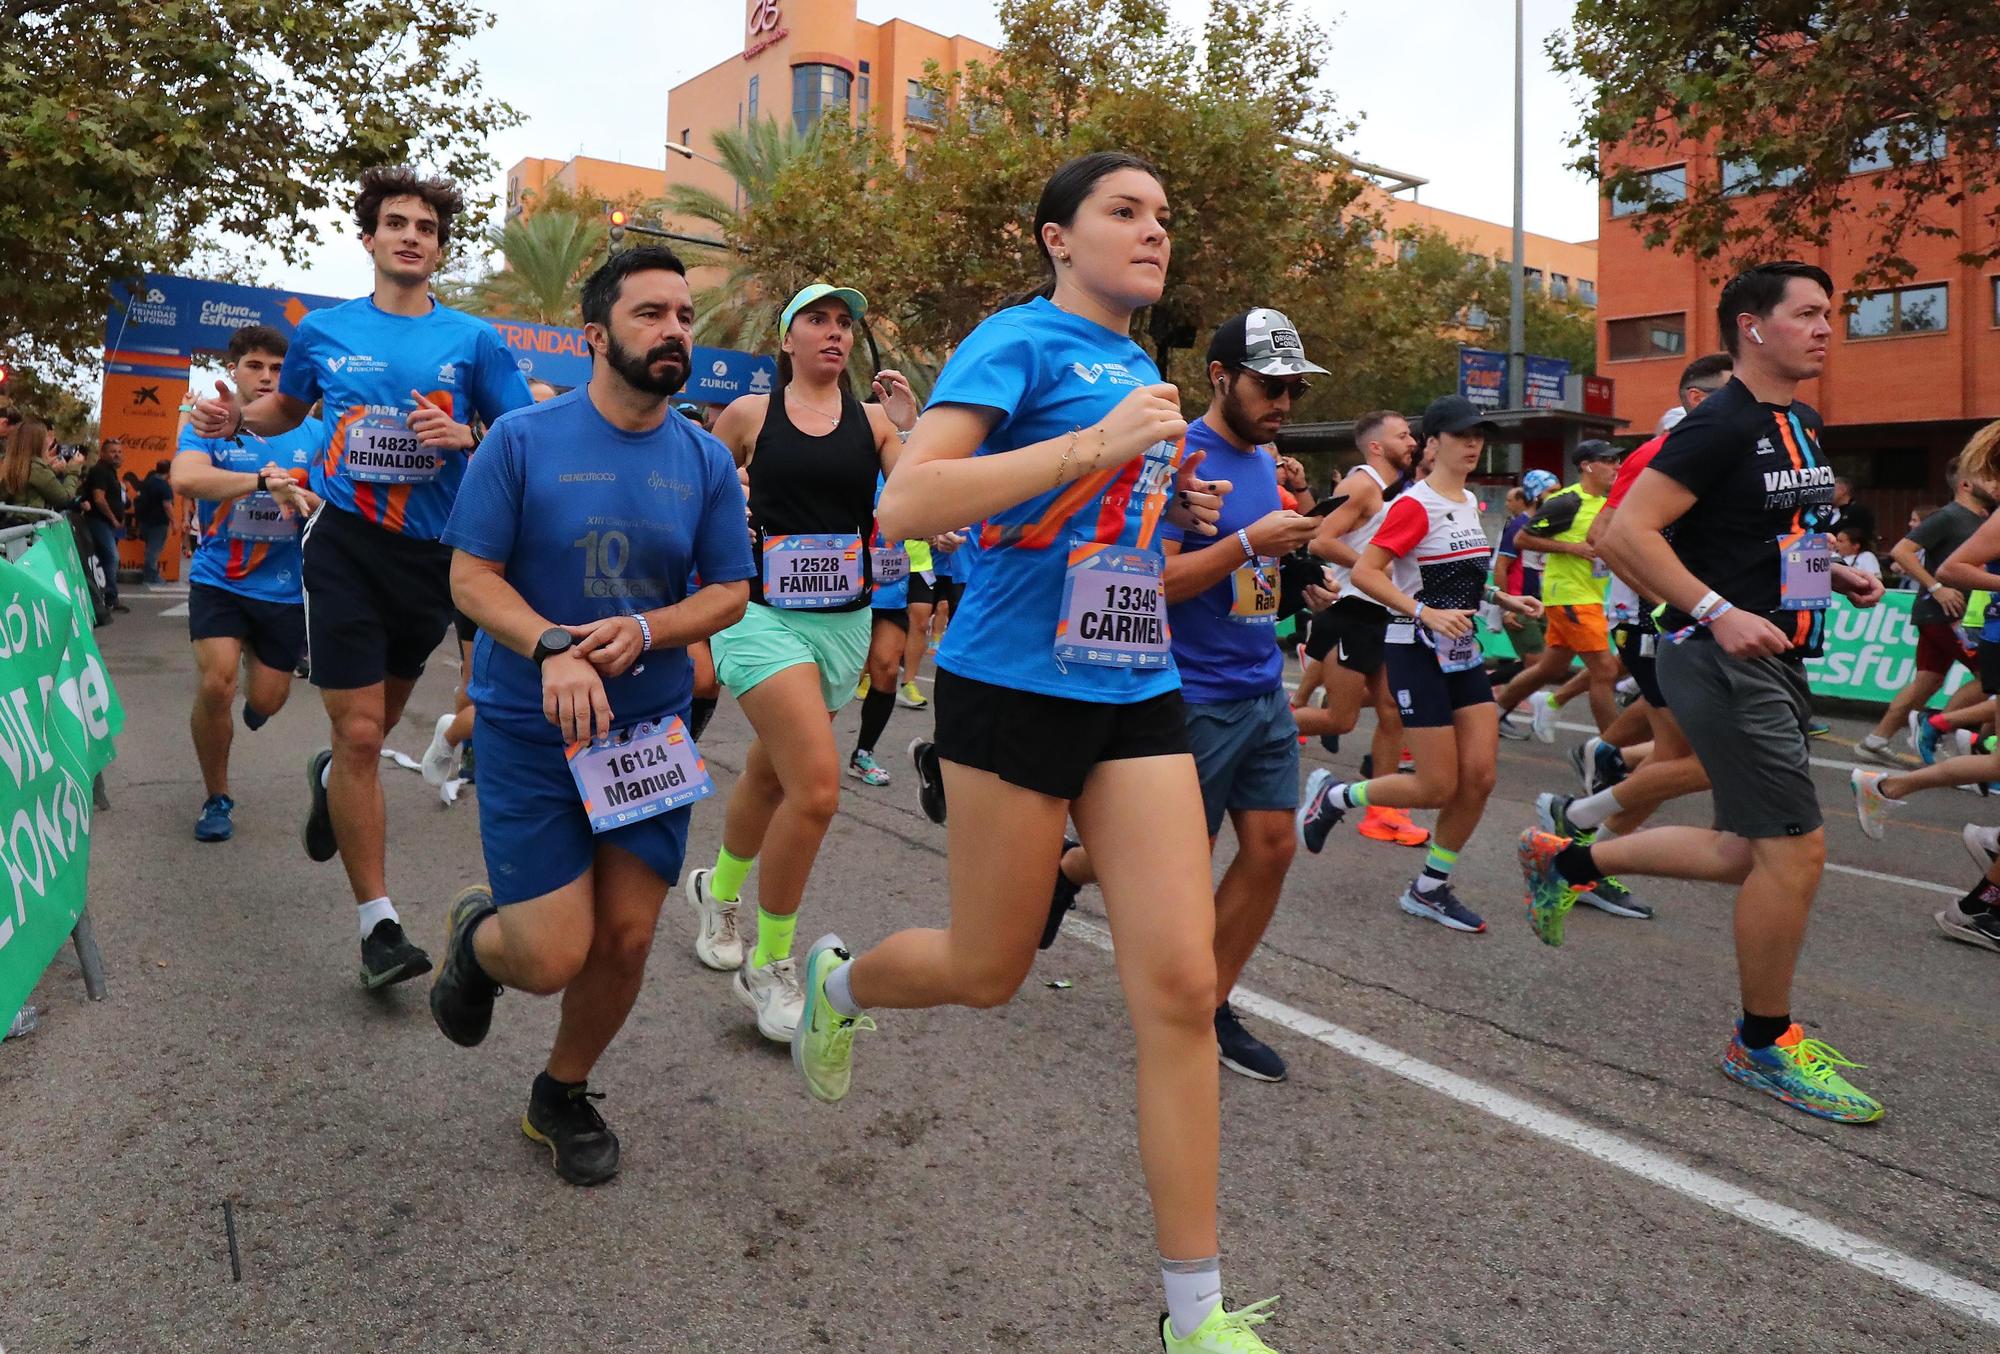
x: 1542, y: 710
x: 1626, y: 691
x: 930, y: 779
x: 317, y: 834
x: 1223, y: 1333
x: 773, y: 993
x: 861, y: 688
x: 1442, y: 906
x: 1243, y: 1052
x: 864, y: 768
x: 1982, y: 844
x: 441, y: 759
x: 1406, y: 765
x: 1579, y: 757
x: 717, y: 942
x: 823, y: 1046
x: 1882, y: 754
x: 214, y: 824
x: 1925, y: 735
x: 1550, y: 896
x: 1871, y: 807
x: 1611, y: 895
x: 1331, y: 742
x: 910, y: 698
x: 1318, y: 817
x: 388, y: 956
x: 1367, y: 766
x: 1063, y: 898
x: 1514, y: 727
x: 1607, y: 765
x: 1552, y: 812
x: 1802, y: 1072
x: 1381, y: 824
x: 1818, y: 728
x: 461, y: 995
x: 1974, y: 928
x: 581, y: 1144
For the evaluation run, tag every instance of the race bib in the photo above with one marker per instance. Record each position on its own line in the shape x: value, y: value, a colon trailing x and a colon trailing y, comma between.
x: 1460, y: 654
x: 1253, y: 592
x: 381, y: 449
x: 1805, y: 573
x: 892, y: 565
x: 638, y: 773
x: 1649, y: 645
x: 811, y: 573
x: 1114, y: 609
x: 259, y: 517
x: 1599, y: 569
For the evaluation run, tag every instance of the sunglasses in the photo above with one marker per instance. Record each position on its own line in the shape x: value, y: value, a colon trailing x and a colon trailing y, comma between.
x: 1277, y: 387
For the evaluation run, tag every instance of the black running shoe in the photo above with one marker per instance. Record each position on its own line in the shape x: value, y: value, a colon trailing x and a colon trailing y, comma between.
x: 1064, y: 898
x: 584, y: 1148
x: 461, y: 994
x: 387, y: 956
x: 318, y: 832
x: 930, y: 779
x: 1243, y: 1052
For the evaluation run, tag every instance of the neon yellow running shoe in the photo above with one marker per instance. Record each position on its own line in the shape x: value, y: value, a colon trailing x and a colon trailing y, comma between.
x: 1803, y: 1073
x: 1223, y: 1332
x: 823, y: 1042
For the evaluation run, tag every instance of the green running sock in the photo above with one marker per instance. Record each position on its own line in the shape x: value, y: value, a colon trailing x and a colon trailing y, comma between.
x: 774, y: 938
x: 725, y: 882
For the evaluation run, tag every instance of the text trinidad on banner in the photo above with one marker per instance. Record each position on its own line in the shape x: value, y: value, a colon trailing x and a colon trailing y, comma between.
x: 58, y: 717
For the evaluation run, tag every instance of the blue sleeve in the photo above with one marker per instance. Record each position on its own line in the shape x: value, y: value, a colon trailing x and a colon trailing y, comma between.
x: 1170, y: 532
x: 487, y: 514
x: 1507, y: 535
x: 298, y: 378
x: 497, y: 383
x: 722, y: 538
x: 993, y: 369
x: 190, y: 440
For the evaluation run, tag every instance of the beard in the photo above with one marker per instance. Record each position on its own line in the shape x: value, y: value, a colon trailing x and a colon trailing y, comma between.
x: 637, y: 369
x: 1238, y: 420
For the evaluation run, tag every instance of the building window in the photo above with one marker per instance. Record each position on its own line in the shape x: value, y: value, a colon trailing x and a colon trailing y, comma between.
x: 1874, y: 153
x: 1996, y: 301
x: 1586, y: 291
x: 1533, y: 277
x: 1646, y: 336
x: 1741, y: 176
x: 753, y: 98
x: 1406, y: 251
x: 919, y: 103
x: 1904, y: 310
x: 817, y: 91
x: 861, y: 92
x: 1559, y: 286
x: 1664, y: 185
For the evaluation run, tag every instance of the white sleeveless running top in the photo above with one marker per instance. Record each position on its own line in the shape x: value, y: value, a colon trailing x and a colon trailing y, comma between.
x: 1357, y: 540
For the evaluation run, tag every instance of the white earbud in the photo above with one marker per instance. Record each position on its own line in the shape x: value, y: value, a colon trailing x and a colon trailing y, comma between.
x: 1755, y: 337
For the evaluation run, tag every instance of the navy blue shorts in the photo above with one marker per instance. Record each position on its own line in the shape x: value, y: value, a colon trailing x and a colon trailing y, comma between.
x: 1644, y: 666
x: 1426, y: 695
x: 273, y: 632
x: 532, y: 826
x: 1246, y: 753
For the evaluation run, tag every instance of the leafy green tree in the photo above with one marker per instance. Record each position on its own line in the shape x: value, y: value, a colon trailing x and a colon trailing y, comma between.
x: 131, y: 133
x: 1788, y: 96
x: 545, y: 257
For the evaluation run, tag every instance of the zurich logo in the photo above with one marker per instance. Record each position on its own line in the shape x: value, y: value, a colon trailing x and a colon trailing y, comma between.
x: 720, y: 368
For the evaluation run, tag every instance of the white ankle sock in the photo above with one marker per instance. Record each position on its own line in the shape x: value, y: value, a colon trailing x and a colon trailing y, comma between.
x: 374, y: 912
x: 1194, y: 1289
x: 1591, y: 811
x: 838, y: 996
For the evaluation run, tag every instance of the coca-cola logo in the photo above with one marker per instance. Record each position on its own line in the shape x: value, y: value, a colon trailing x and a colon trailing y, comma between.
x: 764, y: 17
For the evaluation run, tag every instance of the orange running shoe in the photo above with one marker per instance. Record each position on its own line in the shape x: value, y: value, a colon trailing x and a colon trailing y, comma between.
x: 1381, y: 824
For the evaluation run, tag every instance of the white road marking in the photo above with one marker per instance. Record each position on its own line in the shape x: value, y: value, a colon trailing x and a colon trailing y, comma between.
x: 1836, y: 1243
x: 1830, y: 763
x: 173, y: 611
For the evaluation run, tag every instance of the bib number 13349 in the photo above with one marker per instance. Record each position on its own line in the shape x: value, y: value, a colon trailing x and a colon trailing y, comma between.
x: 1114, y: 609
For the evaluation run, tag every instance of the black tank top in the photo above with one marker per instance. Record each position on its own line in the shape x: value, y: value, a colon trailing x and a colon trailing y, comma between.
x: 815, y: 486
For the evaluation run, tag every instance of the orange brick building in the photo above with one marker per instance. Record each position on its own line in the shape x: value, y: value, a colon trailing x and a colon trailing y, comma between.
x: 1912, y: 371
x: 799, y: 59
x: 609, y: 179
x: 1565, y: 270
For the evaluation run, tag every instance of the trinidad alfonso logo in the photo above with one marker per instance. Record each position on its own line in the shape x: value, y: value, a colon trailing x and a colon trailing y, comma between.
x: 1089, y: 373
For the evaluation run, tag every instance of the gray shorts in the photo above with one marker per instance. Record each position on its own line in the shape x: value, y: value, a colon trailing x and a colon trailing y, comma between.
x: 1247, y: 755
x: 1746, y: 719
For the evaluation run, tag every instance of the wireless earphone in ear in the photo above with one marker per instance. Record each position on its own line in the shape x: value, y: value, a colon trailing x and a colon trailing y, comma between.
x: 1755, y: 337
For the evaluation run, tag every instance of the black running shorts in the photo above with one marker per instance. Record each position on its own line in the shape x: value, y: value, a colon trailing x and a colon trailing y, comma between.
x: 378, y: 603
x: 1049, y: 744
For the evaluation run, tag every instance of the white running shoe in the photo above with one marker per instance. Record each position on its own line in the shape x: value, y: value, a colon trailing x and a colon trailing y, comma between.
x: 773, y: 992
x: 1982, y: 844
x: 717, y: 942
x: 909, y: 697
x: 1871, y: 807
x: 441, y: 759
x: 1542, y: 716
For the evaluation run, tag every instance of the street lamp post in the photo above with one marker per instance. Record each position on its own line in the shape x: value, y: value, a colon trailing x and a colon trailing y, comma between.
x: 1517, y: 320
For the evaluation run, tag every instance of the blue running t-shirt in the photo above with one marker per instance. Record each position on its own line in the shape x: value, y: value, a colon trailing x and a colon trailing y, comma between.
x: 363, y: 363
x: 1225, y: 638
x: 592, y: 521
x: 1047, y: 372
x: 247, y: 547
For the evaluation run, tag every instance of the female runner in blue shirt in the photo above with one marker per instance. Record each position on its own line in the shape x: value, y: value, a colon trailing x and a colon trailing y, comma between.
x: 1056, y: 698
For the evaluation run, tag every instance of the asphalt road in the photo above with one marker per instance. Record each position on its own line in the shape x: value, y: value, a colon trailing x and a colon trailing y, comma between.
x: 1484, y: 1144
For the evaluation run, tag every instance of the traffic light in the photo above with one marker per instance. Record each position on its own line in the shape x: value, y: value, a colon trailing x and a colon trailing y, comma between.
x: 617, y: 226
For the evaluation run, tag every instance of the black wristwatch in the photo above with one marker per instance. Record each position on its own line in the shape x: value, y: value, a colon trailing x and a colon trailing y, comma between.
x: 554, y: 640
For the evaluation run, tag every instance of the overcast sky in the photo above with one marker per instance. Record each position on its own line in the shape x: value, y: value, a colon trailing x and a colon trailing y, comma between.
x: 1429, y: 79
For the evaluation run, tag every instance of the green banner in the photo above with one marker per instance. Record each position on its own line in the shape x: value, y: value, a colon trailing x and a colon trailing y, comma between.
x: 58, y: 717
x: 1871, y: 654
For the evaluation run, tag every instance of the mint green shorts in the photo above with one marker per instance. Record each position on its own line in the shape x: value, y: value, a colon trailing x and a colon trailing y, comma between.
x: 768, y: 641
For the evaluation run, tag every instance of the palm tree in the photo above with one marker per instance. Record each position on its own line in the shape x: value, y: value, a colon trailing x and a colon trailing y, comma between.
x: 546, y: 256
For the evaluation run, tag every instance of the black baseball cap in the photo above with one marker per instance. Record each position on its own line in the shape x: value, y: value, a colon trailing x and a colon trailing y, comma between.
x: 1596, y: 449
x: 1456, y: 414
